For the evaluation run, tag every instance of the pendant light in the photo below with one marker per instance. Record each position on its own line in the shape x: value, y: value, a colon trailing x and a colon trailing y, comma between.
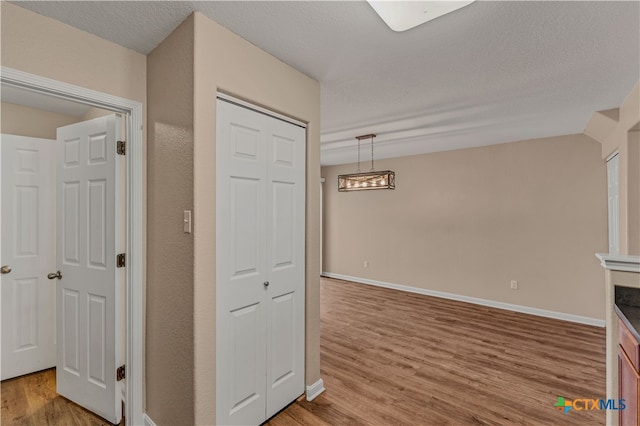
x: 361, y: 181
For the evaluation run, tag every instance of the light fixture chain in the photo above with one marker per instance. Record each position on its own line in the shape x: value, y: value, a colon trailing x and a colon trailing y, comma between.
x: 358, y: 155
x: 372, y: 169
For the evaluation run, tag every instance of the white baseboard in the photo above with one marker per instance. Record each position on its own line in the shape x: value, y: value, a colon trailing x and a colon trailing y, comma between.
x: 315, y: 389
x: 147, y: 420
x: 312, y: 392
x: 484, y: 302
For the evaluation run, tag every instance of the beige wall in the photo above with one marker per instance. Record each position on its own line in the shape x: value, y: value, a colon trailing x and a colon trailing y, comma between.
x: 226, y: 62
x: 38, y: 123
x: 169, y: 326
x: 624, y: 138
x: 185, y: 73
x: 49, y: 48
x: 35, y: 123
x: 95, y: 113
x: 633, y: 188
x: 45, y: 47
x: 467, y: 222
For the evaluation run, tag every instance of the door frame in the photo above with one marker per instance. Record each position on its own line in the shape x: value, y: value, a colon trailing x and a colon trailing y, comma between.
x: 613, y: 220
x: 134, y: 216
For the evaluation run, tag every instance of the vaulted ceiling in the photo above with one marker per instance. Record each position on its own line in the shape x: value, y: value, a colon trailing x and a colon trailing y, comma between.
x: 492, y: 72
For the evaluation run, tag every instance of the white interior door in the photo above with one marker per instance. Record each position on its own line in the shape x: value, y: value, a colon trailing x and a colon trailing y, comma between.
x: 28, y: 219
x: 260, y: 192
x: 613, y: 194
x: 89, y: 292
x: 285, y: 263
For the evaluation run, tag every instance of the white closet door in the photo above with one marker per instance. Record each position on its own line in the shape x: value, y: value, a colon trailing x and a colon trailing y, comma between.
x: 285, y: 262
x: 28, y: 226
x: 259, y: 264
x: 241, y: 245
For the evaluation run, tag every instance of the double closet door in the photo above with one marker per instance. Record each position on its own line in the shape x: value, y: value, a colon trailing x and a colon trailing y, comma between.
x: 260, y: 275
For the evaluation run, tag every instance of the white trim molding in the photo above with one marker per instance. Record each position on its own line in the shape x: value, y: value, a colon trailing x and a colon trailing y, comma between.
x: 475, y: 300
x: 261, y: 110
x: 618, y: 262
x: 147, y: 420
x: 134, y: 232
x: 315, y: 389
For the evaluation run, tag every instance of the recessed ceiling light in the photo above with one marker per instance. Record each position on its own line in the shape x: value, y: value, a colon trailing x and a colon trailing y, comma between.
x: 404, y: 15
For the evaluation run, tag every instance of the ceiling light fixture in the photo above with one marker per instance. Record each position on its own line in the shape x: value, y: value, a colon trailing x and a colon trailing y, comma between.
x: 368, y: 180
x: 403, y: 15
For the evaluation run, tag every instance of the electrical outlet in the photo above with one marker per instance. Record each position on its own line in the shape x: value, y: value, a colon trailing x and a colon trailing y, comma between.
x: 366, y: 263
x: 514, y: 285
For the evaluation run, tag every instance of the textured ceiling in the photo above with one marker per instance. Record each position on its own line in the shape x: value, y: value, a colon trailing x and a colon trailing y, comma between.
x: 492, y: 72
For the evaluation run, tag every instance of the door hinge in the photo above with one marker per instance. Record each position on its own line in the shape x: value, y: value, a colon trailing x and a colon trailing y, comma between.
x: 120, y: 260
x: 120, y: 373
x: 121, y: 147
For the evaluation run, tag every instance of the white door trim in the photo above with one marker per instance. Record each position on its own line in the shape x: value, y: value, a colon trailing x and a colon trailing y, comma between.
x: 261, y: 110
x: 613, y: 154
x: 613, y: 203
x: 134, y: 218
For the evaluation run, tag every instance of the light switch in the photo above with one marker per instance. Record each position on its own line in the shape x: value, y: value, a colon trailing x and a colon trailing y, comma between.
x: 187, y: 221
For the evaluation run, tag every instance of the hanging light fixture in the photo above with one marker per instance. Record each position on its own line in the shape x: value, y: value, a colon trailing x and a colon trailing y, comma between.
x: 360, y: 181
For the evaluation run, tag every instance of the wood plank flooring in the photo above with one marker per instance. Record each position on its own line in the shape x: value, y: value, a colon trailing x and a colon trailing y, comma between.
x: 395, y: 358
x: 32, y: 400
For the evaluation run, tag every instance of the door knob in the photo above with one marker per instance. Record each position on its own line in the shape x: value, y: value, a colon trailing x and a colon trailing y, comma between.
x: 5, y: 269
x: 54, y: 275
x: 266, y: 283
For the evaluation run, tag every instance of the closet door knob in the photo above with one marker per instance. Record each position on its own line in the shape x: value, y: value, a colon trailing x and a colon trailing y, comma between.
x: 266, y: 284
x: 5, y: 269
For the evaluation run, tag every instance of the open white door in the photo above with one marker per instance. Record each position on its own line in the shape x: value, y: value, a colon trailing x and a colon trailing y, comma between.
x: 88, y: 293
x: 28, y: 220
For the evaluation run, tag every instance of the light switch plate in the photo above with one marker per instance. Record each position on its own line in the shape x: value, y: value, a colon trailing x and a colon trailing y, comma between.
x: 187, y: 221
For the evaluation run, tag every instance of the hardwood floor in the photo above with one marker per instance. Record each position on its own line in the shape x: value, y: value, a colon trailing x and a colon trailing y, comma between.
x: 395, y: 358
x: 32, y: 400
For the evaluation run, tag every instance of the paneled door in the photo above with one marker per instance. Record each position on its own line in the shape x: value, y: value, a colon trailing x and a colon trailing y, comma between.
x: 285, y: 262
x: 260, y: 223
x: 89, y: 290
x: 28, y: 225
